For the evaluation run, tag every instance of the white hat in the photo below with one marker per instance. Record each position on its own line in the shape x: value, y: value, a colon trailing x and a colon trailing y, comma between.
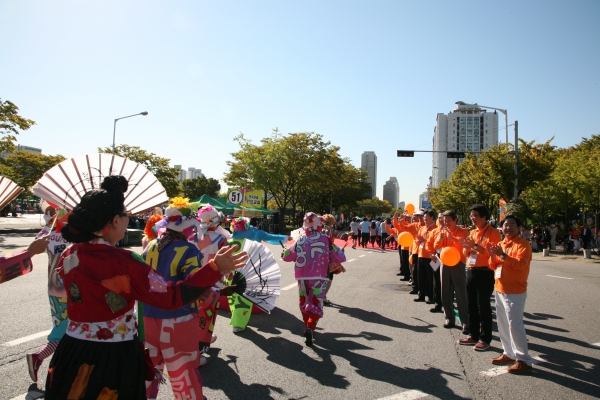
x: 420, y: 212
x: 179, y: 215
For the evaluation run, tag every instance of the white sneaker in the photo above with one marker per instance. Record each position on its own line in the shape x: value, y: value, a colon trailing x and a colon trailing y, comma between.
x: 213, y: 338
x: 236, y: 329
x: 203, y: 361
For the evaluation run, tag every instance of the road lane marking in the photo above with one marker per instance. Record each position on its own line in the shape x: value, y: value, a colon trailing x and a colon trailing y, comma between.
x: 561, y: 277
x: 495, y: 371
x: 26, y: 338
x: 408, y: 395
x: 350, y: 260
x: 288, y: 287
x: 596, y: 345
x: 362, y: 255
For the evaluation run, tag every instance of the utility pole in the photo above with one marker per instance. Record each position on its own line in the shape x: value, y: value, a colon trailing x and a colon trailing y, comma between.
x: 516, y: 189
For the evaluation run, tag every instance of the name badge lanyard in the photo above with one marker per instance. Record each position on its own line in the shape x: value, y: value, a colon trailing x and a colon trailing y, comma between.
x: 473, y: 258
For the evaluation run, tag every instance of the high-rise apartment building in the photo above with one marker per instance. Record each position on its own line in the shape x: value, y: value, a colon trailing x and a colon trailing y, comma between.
x: 191, y: 173
x: 391, y: 191
x: 467, y: 128
x: 368, y: 162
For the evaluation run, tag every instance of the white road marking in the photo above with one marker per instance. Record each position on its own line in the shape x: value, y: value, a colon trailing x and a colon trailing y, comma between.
x: 408, y: 395
x: 350, y: 260
x: 362, y: 255
x: 288, y: 287
x: 596, y: 345
x: 26, y: 338
x: 495, y: 371
x: 539, y: 359
x: 561, y: 277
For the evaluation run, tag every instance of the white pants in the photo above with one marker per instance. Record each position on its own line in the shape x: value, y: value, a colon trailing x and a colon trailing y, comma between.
x: 511, y: 329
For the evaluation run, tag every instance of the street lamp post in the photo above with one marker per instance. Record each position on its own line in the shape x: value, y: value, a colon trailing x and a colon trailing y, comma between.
x: 502, y: 110
x: 144, y: 113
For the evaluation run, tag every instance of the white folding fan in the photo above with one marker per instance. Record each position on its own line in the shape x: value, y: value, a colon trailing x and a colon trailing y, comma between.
x: 66, y: 183
x: 260, y: 279
x: 8, y: 191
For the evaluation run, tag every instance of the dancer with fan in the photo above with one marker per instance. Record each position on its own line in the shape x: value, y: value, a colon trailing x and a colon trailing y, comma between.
x: 257, y: 285
x: 56, y: 291
x: 312, y: 255
x: 100, y: 352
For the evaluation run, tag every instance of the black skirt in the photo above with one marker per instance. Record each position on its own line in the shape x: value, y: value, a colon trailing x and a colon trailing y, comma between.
x: 83, y: 369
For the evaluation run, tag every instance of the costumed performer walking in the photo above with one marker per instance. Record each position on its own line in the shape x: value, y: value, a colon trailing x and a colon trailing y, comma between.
x: 100, y: 354
x: 57, y: 295
x: 332, y: 233
x: 312, y: 255
x: 211, y: 238
x: 241, y: 307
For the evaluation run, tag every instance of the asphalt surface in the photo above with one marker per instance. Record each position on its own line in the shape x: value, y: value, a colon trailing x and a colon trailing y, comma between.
x: 373, y: 343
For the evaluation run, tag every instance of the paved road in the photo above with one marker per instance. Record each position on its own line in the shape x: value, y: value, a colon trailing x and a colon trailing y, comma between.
x: 374, y: 343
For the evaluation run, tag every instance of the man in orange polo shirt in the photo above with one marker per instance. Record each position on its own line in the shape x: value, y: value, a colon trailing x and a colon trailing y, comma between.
x: 453, y: 278
x: 480, y: 279
x: 413, y: 228
x: 511, y: 259
x: 424, y: 241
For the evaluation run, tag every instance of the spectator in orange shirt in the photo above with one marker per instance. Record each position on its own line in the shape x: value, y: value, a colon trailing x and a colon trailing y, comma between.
x: 413, y: 229
x: 511, y: 259
x: 424, y: 242
x: 480, y: 279
x: 453, y: 278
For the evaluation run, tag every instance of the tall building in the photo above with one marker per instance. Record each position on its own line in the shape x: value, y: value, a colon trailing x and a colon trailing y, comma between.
x: 391, y: 191
x: 368, y: 162
x: 21, y: 147
x: 191, y: 173
x: 401, y: 205
x: 467, y: 128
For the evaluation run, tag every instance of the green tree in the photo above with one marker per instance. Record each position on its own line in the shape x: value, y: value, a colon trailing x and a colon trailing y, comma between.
x: 194, y: 188
x: 26, y: 168
x: 298, y: 170
x: 10, y: 123
x: 159, y: 166
x: 374, y: 207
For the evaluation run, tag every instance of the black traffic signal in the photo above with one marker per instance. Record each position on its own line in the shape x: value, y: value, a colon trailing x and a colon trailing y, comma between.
x: 405, y: 153
x: 455, y: 154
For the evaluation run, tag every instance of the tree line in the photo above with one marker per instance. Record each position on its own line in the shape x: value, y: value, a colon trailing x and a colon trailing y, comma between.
x: 555, y: 185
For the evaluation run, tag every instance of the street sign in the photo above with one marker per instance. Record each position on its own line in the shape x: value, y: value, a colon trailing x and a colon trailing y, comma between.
x: 235, y: 197
x: 425, y: 204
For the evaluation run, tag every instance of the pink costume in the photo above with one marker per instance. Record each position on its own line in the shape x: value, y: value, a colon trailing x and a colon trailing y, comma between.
x: 312, y: 253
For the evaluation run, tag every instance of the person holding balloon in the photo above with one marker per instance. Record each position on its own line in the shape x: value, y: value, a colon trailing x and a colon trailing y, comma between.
x: 406, y: 234
x: 453, y: 270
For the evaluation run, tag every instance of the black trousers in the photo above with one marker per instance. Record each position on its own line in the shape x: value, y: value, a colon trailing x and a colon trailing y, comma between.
x: 364, y: 239
x: 437, y: 286
x: 425, y: 275
x: 414, y: 271
x: 480, y: 286
x: 404, y: 264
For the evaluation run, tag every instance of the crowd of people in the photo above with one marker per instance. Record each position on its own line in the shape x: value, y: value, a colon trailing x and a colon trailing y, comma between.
x: 488, y: 260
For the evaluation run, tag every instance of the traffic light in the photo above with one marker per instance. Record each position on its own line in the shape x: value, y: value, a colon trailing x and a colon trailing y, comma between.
x: 455, y: 154
x: 405, y: 153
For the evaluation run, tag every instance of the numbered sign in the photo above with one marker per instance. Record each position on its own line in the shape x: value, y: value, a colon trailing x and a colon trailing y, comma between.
x: 235, y: 197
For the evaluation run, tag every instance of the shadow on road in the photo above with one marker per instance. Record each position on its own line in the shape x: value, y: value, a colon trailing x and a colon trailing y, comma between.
x: 294, y: 356
x: 375, y: 318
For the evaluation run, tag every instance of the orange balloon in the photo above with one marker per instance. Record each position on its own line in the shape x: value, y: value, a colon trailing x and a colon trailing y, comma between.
x: 450, y: 256
x: 405, y: 239
x: 409, y: 208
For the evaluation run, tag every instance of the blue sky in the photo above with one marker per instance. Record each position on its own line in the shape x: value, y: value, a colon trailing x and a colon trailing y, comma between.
x: 367, y: 75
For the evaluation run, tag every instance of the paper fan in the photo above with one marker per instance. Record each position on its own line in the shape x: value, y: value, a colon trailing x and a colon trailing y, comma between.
x: 8, y: 191
x: 260, y: 278
x: 66, y: 183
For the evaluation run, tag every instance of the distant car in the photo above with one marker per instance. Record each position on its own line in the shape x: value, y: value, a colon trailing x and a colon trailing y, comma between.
x: 123, y: 242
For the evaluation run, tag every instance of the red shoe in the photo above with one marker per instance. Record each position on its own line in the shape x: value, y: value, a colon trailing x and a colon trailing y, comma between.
x: 34, y: 363
x: 468, y: 341
x: 503, y: 360
x: 481, y: 346
x: 520, y: 367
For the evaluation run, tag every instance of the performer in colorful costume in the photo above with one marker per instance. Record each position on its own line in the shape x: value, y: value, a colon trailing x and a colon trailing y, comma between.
x: 332, y: 233
x: 312, y: 254
x: 56, y: 291
x: 100, y: 352
x: 241, y: 308
x: 211, y: 238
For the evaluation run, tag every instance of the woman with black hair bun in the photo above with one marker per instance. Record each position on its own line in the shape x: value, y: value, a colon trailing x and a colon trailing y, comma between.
x: 100, y: 354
